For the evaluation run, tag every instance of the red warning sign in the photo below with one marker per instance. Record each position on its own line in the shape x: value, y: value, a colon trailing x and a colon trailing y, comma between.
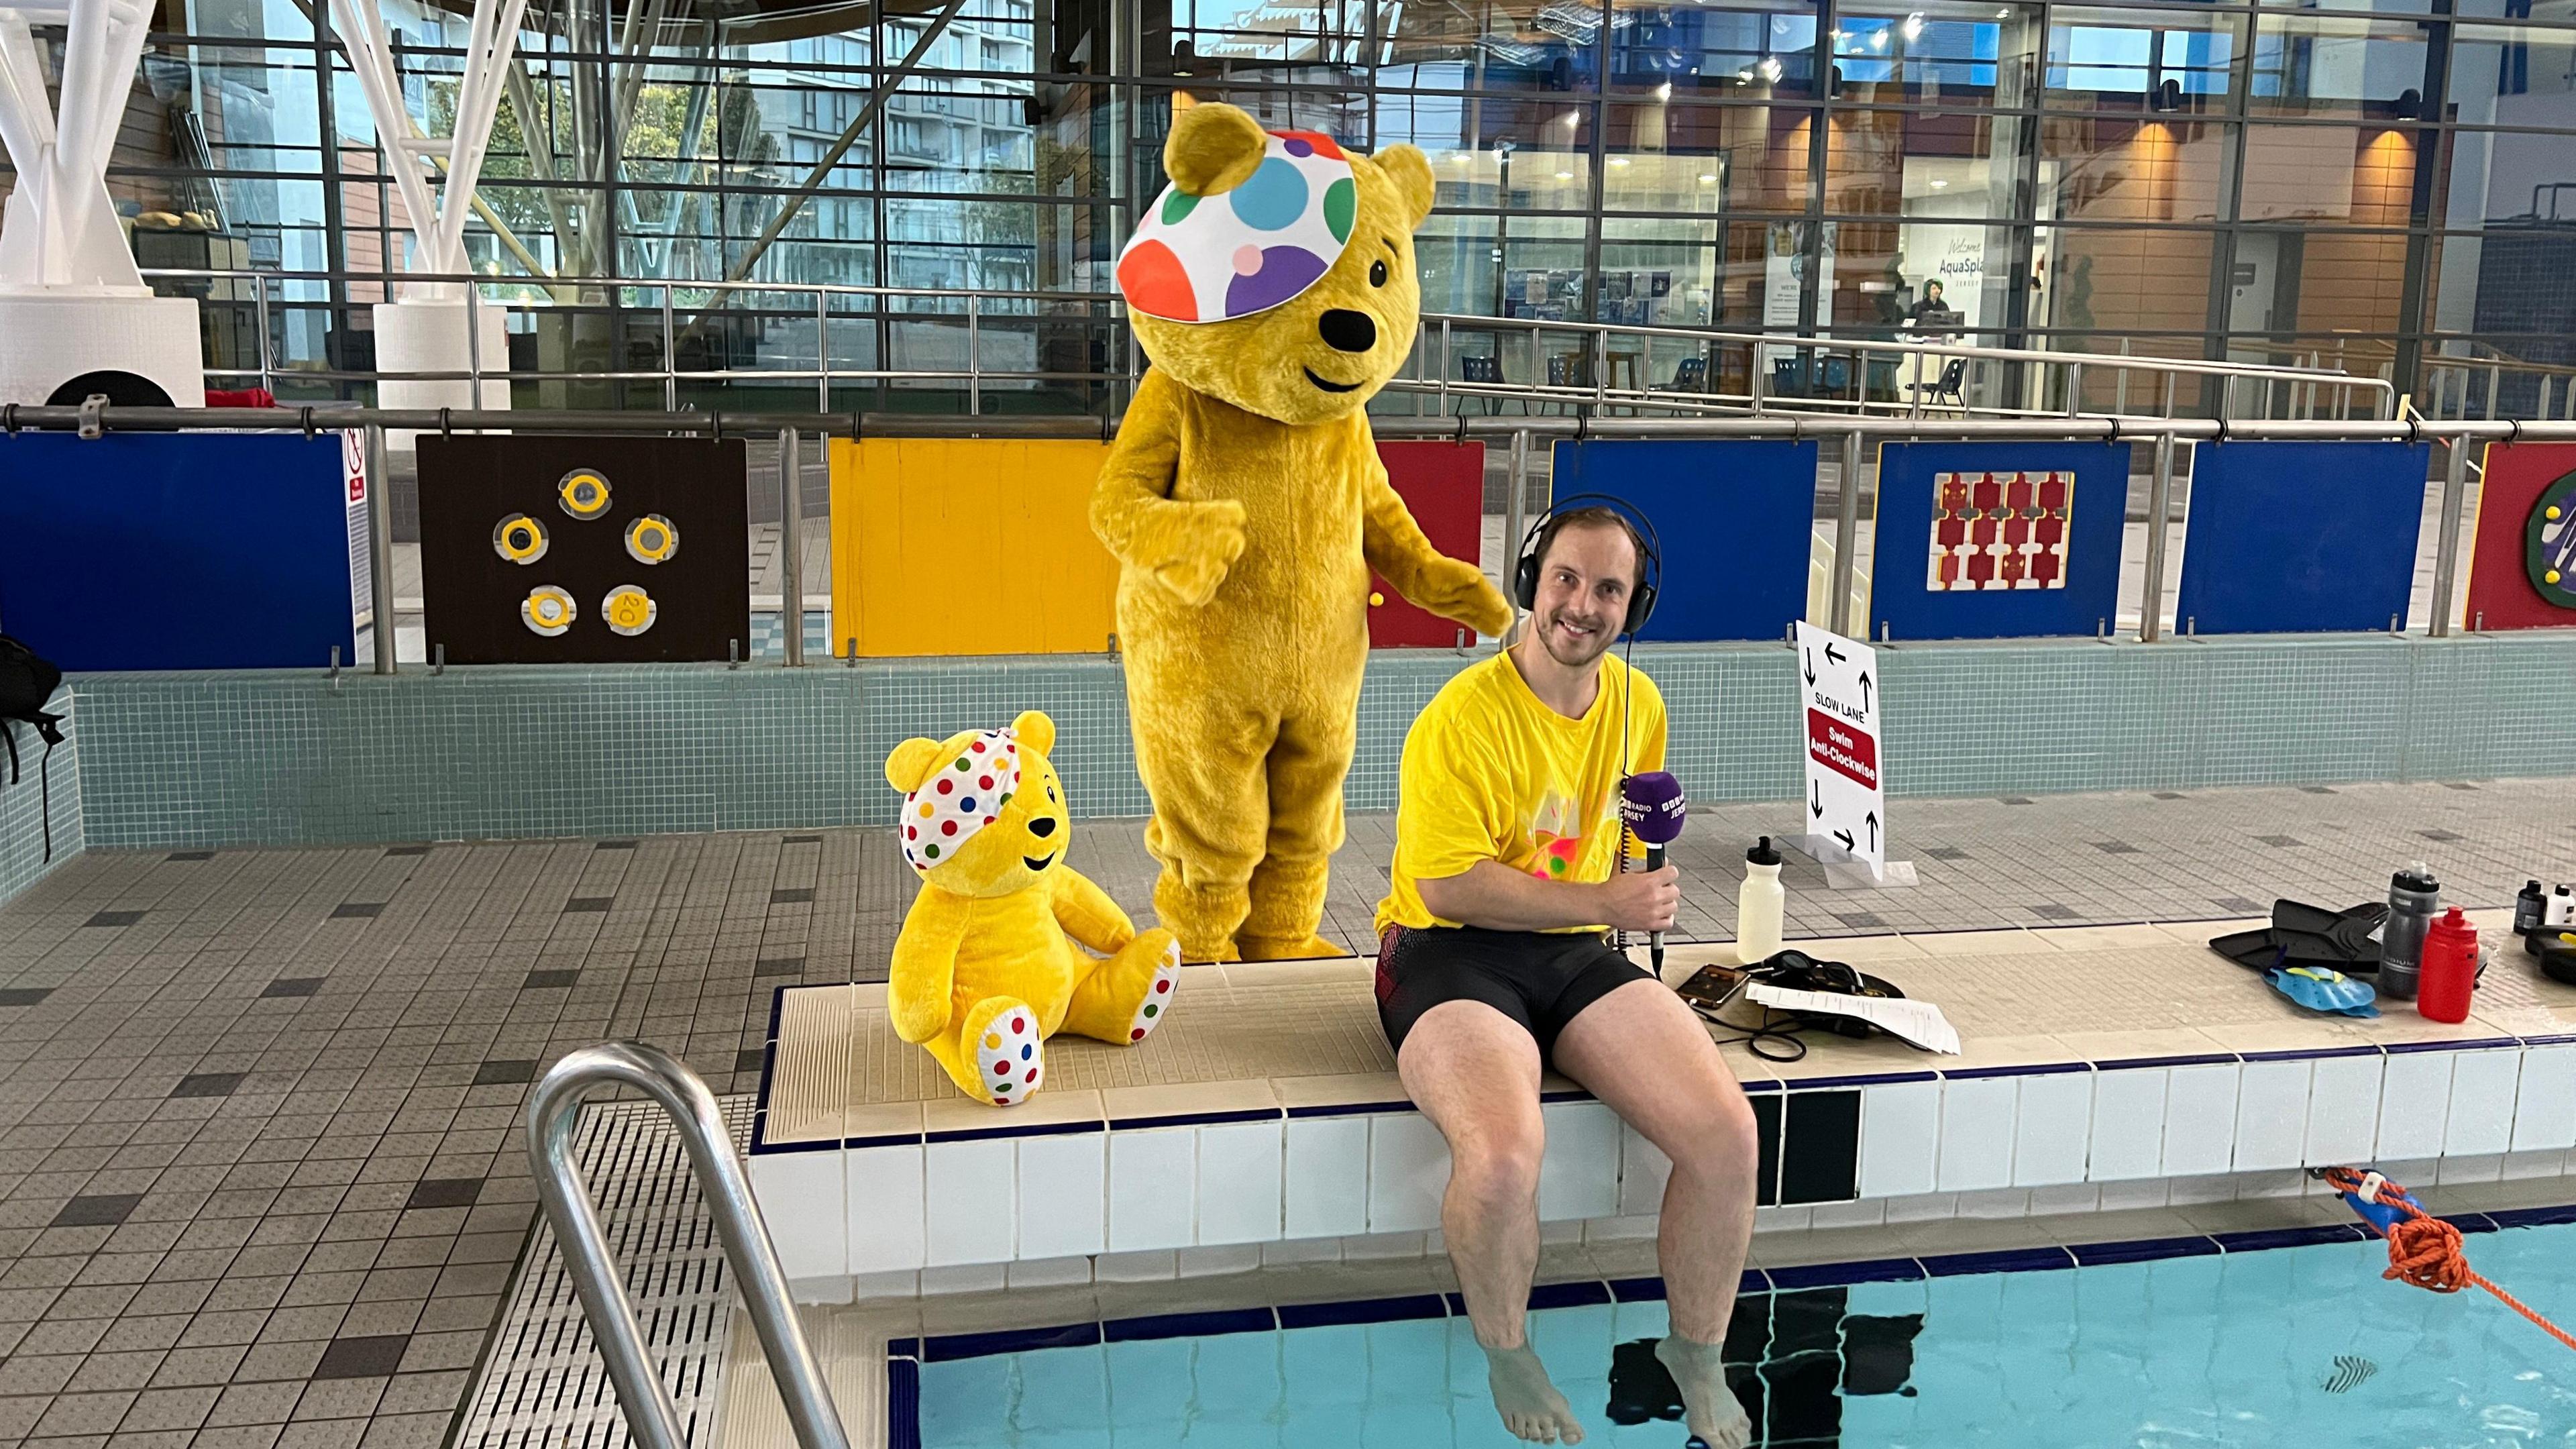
x: 1843, y: 748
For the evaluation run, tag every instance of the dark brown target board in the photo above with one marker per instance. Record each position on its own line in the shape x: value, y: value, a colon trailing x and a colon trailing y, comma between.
x: 556, y: 550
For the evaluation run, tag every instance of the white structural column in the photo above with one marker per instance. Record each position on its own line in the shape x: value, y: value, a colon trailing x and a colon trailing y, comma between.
x: 426, y: 330
x: 71, y: 300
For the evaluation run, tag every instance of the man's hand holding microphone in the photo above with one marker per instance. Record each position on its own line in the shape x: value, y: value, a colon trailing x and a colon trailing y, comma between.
x: 1651, y: 806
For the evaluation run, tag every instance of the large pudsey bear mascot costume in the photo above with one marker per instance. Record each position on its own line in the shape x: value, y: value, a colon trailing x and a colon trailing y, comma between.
x: 1273, y: 288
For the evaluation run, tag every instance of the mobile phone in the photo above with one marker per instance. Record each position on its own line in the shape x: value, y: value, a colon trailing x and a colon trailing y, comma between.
x: 1711, y: 987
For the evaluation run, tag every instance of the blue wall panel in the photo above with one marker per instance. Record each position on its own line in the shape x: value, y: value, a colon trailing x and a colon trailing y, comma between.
x: 1902, y: 603
x: 1737, y: 520
x: 2301, y: 537
x: 176, y: 551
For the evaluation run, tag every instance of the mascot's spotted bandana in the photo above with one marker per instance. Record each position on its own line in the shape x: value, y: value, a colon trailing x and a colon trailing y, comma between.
x: 1249, y: 249
x: 961, y: 797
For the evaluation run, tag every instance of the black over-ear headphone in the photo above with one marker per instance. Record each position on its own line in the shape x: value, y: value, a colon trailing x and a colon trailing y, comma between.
x: 1641, y: 604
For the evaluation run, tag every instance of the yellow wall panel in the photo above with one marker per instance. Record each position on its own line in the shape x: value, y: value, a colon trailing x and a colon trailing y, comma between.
x: 968, y: 546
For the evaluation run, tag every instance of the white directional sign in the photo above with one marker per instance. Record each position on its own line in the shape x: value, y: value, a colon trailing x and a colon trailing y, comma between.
x: 1838, y: 718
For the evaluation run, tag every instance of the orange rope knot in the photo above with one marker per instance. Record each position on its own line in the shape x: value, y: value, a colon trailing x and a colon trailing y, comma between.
x: 2424, y: 1250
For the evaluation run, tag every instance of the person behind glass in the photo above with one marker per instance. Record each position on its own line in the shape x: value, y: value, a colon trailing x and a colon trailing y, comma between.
x: 1930, y: 315
x: 1493, y: 965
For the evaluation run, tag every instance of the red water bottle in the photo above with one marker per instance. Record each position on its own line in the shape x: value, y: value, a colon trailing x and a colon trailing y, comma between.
x: 2450, y: 969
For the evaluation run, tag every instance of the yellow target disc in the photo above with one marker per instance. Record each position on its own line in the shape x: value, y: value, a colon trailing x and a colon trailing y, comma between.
x: 583, y: 493
x: 629, y: 610
x: 520, y: 539
x: 548, y: 610
x: 651, y: 539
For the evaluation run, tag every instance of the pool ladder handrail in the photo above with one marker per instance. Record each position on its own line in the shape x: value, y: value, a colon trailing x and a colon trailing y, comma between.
x: 553, y: 1115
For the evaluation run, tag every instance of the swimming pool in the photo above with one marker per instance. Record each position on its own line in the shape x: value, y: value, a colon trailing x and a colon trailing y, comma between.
x: 2243, y: 1339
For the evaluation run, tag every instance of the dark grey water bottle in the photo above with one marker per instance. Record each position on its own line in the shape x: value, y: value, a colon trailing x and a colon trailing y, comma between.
x: 2413, y: 897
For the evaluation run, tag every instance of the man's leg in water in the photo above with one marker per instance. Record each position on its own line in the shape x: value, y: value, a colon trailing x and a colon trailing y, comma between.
x: 1643, y: 1052
x: 1474, y: 1072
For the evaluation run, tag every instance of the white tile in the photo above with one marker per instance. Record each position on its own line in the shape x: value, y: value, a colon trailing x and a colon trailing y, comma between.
x: 2149, y: 1192
x: 1153, y: 1266
x: 965, y: 1278
x: 2002, y: 1202
x: 1239, y: 1182
x: 1900, y: 1139
x: 2128, y: 1126
x: 832, y: 1289
x: 1579, y: 1175
x: 2415, y: 1104
x: 1925, y: 1207
x: 2200, y: 1119
x: 1326, y: 1187
x: 1643, y: 1171
x: 2276, y: 1182
x: 866, y: 1287
x: 799, y: 1194
x: 2485, y: 1167
x: 2073, y: 1197
x: 2272, y: 1116
x: 1783, y: 1219
x: 1977, y: 1133
x: 2521, y: 1166
x: 1301, y: 1252
x: 2482, y: 1090
x: 1049, y: 1272
x: 971, y: 1198
x: 1569, y: 1230
x: 1064, y: 1195
x: 1377, y: 1247
x: 1867, y: 1213
x: 884, y: 1186
x: 2343, y: 1111
x: 1219, y: 1260
x: 1620, y: 1230
x: 2192, y: 1191
x: 1152, y: 1174
x: 2544, y: 1108
x: 2052, y: 1126
x: 1408, y: 1173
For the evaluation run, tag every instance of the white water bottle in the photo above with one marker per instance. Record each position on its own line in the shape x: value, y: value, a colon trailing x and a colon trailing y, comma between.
x: 1759, y: 903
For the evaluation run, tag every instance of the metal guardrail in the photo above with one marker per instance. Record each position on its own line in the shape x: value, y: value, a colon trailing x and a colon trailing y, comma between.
x: 553, y: 1114
x: 1913, y: 366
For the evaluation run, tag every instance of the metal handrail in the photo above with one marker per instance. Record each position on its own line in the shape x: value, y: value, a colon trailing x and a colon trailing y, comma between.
x: 553, y: 1114
x: 975, y: 308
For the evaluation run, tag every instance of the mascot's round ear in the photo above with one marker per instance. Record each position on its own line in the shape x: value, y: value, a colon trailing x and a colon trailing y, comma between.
x: 911, y: 764
x: 1410, y: 170
x: 1036, y: 731
x: 1215, y: 148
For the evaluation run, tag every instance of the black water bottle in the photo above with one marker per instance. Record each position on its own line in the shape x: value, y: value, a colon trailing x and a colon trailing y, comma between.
x: 2530, y: 910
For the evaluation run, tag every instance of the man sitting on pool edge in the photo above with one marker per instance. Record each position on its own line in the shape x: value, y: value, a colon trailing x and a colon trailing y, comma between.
x: 1492, y: 962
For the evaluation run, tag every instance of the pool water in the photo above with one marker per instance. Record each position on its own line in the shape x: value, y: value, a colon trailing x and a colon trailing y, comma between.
x: 2293, y: 1345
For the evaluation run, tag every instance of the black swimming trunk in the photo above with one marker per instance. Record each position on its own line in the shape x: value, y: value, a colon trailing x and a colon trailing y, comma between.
x: 1540, y: 979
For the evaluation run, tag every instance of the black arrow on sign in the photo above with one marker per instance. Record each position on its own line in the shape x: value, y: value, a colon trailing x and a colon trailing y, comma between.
x: 1815, y: 800
x: 1864, y: 691
x: 1845, y: 837
x: 1873, y: 829
x: 1832, y: 657
x: 1811, y: 666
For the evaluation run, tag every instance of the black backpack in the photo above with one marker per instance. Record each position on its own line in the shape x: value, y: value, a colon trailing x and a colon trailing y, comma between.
x: 26, y: 682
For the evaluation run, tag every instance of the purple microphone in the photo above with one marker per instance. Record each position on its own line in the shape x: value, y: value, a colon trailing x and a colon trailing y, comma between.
x: 1651, y: 806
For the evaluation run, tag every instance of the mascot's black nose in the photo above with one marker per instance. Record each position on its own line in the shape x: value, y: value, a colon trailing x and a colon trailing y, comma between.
x: 1348, y: 331
x: 1042, y: 827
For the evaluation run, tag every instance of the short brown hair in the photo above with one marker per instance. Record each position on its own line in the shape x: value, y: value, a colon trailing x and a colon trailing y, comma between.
x: 1591, y: 516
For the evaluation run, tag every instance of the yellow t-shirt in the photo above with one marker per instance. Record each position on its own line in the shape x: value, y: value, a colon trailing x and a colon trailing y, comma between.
x: 1492, y: 773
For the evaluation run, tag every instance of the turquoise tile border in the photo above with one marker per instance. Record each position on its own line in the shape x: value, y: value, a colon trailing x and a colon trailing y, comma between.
x: 289, y: 758
x: 22, y: 835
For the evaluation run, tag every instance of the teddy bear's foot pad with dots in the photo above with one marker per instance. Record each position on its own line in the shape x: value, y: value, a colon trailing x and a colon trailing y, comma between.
x: 1158, y: 995
x: 1010, y: 1055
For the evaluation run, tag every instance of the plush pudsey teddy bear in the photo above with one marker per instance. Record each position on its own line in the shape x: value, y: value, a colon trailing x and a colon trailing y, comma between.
x: 987, y: 966
x: 1273, y: 288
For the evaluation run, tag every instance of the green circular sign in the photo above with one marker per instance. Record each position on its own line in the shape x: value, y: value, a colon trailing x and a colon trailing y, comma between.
x: 2549, y: 542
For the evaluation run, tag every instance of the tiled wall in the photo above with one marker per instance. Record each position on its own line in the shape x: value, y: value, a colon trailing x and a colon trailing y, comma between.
x: 1849, y: 1151
x: 22, y: 834
x: 291, y: 758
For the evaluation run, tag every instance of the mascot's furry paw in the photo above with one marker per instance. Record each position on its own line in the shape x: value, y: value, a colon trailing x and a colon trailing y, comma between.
x: 1456, y: 589
x: 1190, y: 547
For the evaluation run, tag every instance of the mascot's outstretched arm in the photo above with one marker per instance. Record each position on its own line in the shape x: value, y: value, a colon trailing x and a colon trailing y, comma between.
x: 1185, y: 546
x: 1087, y: 913
x: 1397, y: 548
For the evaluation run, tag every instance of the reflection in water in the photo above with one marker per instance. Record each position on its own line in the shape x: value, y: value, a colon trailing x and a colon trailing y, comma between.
x: 1792, y: 1358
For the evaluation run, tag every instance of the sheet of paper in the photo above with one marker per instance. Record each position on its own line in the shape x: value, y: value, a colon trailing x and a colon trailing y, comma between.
x: 1919, y: 1022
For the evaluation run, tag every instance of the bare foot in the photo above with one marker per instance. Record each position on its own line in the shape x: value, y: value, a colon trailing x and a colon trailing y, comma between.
x: 1711, y: 1409
x: 1530, y: 1405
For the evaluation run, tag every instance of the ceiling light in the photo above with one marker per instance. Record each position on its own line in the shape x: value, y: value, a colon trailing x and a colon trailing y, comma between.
x: 1708, y: 178
x: 1618, y: 160
x: 1565, y: 176
x: 1878, y: 40
x: 1745, y: 74
x: 1772, y: 69
x: 1937, y: 185
x: 1914, y: 25
x: 1664, y: 92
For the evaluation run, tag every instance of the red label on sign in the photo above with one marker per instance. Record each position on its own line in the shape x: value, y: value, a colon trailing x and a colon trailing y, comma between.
x: 1842, y: 748
x: 357, y: 487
